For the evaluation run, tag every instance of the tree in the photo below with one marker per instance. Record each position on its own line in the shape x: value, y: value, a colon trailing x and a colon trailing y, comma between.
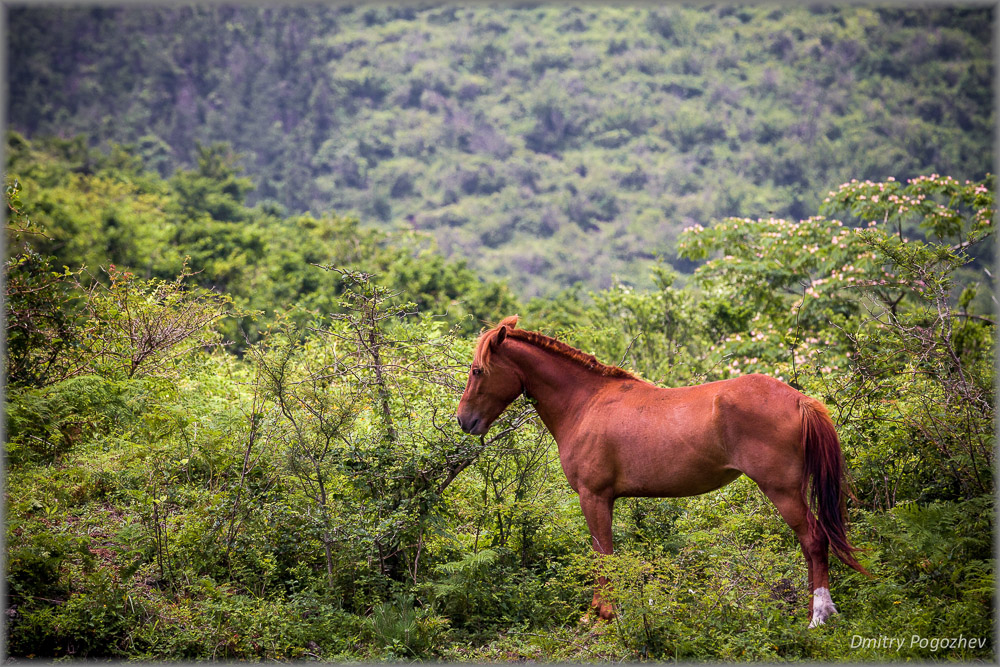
x: 883, y: 325
x: 137, y: 327
x: 926, y: 353
x: 363, y: 395
x: 41, y: 307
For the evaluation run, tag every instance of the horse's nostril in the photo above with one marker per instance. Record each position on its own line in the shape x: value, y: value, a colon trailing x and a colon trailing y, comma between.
x: 467, y: 425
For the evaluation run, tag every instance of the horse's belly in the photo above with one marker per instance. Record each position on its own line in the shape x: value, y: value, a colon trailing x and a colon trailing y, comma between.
x: 688, y: 462
x: 673, y: 483
x: 642, y: 468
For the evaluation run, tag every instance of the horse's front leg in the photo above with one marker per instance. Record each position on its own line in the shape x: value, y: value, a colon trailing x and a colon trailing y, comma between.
x: 597, y: 510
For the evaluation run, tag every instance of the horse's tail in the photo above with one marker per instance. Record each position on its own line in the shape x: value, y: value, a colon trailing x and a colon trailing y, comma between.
x: 823, y: 480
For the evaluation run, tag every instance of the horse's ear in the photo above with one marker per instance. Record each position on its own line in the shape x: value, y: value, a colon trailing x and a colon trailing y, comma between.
x: 506, y: 323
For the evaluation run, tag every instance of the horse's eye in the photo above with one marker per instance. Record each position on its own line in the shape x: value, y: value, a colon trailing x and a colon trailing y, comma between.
x: 477, y: 371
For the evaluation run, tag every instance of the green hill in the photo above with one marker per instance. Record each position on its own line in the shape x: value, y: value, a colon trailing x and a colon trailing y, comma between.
x: 545, y: 144
x: 286, y: 179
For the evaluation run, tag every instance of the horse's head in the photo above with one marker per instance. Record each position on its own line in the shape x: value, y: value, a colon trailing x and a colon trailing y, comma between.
x: 494, y: 382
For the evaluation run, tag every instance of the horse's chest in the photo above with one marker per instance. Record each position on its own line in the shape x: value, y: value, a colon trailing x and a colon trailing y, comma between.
x: 590, y: 463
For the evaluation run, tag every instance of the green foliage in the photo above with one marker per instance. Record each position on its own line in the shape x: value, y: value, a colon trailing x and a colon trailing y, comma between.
x: 43, y: 333
x: 44, y: 423
x: 102, y: 211
x: 405, y: 631
x: 41, y: 310
x: 137, y: 328
x: 655, y: 332
x: 461, y: 590
x: 360, y: 415
x: 543, y: 144
x: 924, y: 350
x: 734, y: 590
x: 313, y: 498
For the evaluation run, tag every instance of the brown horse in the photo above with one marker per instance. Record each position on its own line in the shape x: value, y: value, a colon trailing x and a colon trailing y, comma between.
x: 621, y: 436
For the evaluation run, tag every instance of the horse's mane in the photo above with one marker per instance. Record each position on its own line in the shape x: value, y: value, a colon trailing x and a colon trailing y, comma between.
x: 484, y: 349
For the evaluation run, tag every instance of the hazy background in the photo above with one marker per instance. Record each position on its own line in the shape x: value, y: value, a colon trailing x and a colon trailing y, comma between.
x: 548, y: 144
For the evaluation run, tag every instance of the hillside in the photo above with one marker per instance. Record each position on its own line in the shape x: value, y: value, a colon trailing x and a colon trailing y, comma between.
x: 313, y: 497
x: 250, y: 251
x: 545, y: 144
x: 103, y: 211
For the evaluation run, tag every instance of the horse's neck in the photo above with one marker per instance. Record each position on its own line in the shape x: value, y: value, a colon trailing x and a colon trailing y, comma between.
x: 560, y: 387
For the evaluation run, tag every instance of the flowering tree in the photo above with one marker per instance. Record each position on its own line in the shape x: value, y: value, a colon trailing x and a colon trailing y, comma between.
x: 794, y: 277
x: 923, y: 360
x: 879, y: 315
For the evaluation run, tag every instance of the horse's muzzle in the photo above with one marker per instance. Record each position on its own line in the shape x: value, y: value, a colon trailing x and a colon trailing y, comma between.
x: 471, y: 426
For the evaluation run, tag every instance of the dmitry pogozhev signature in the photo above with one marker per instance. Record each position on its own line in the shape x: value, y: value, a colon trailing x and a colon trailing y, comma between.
x: 916, y: 641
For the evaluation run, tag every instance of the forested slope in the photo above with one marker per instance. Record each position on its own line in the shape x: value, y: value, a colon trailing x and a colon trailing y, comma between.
x: 545, y: 143
x: 308, y: 494
x: 103, y: 210
x: 250, y: 249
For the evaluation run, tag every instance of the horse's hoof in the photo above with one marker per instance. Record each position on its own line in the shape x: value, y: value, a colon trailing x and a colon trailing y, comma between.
x: 823, y: 607
x: 604, y: 611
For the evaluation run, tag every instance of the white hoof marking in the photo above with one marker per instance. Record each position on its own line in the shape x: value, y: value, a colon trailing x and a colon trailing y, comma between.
x: 822, y: 607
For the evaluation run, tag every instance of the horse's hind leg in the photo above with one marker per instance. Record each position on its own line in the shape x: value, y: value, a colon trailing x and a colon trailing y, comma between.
x: 821, y: 606
x: 815, y: 548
